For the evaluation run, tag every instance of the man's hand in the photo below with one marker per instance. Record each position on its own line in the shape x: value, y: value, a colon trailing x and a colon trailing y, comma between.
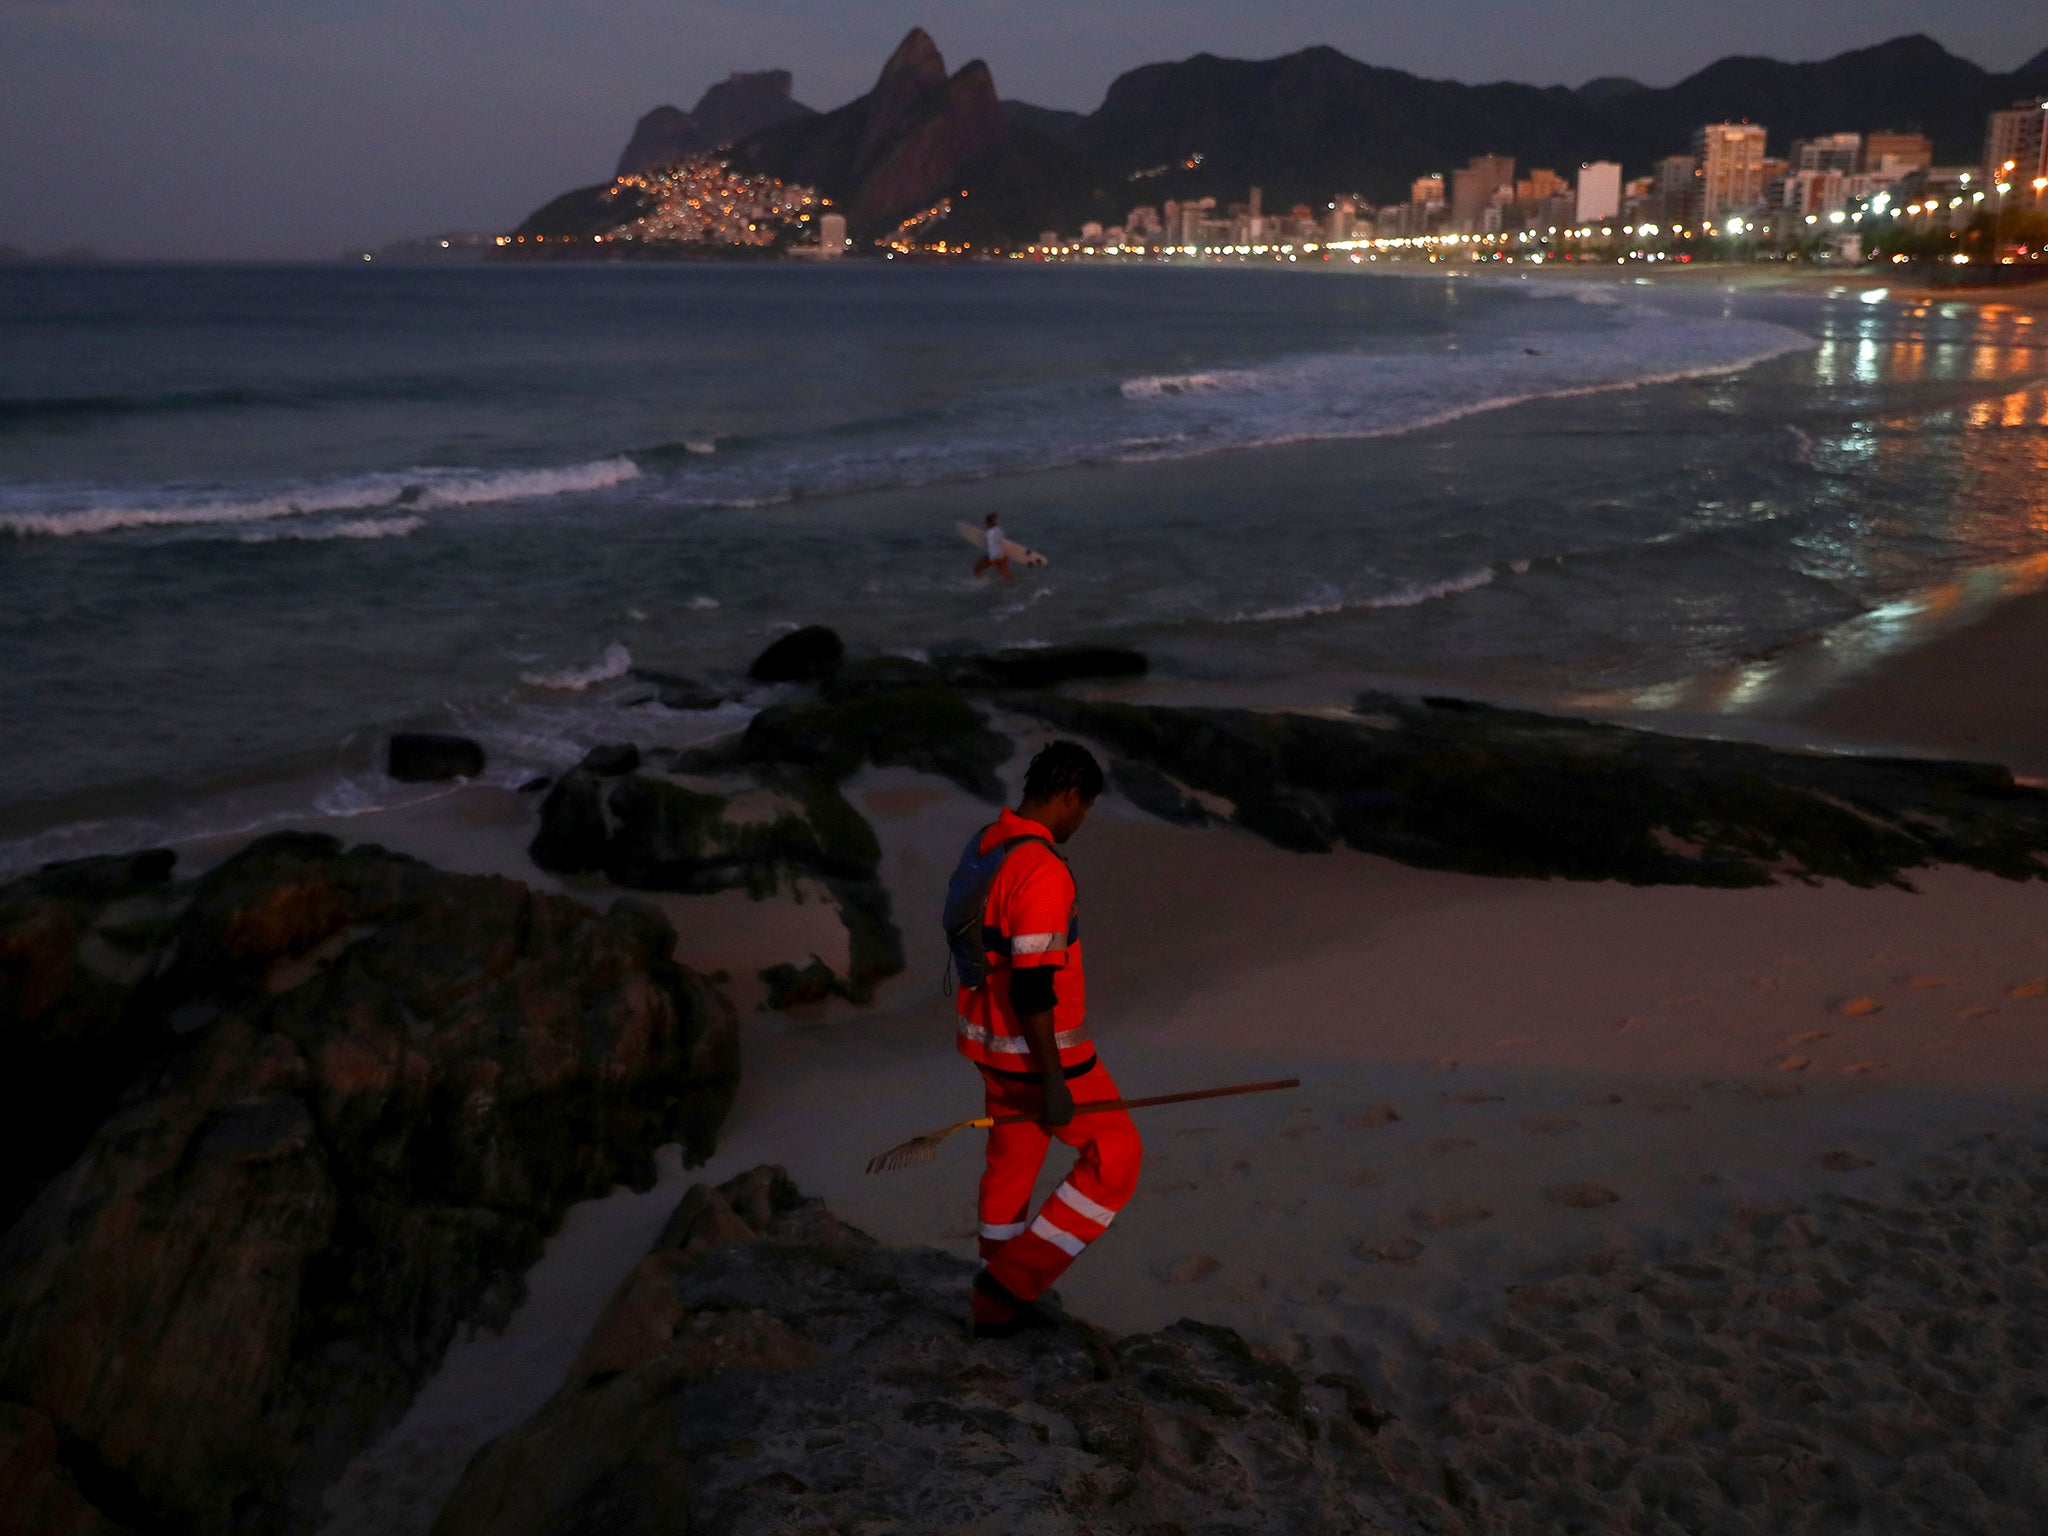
x: 1058, y: 1109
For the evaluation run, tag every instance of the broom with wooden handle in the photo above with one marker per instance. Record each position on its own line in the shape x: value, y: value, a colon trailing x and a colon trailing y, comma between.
x: 921, y: 1149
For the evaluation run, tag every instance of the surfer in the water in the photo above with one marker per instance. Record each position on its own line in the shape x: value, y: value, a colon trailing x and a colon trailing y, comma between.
x: 997, y: 555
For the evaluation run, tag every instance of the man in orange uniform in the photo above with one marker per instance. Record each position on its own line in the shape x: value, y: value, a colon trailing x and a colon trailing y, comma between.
x: 1025, y: 1028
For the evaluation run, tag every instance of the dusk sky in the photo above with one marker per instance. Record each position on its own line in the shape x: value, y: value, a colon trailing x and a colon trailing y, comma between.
x: 238, y: 127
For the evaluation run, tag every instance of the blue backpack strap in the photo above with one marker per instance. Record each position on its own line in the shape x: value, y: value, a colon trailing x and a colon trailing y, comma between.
x: 994, y: 939
x: 965, y: 955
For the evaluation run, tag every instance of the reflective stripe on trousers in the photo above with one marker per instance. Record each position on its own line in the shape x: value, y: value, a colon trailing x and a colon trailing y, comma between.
x: 1028, y: 1253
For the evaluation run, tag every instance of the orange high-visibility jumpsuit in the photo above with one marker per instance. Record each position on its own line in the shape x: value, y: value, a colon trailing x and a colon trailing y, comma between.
x: 1031, y: 920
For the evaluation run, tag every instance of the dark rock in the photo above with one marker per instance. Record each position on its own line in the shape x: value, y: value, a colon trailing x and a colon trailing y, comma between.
x: 769, y: 1369
x: 803, y: 656
x: 345, y: 1096
x: 927, y: 727
x: 573, y: 836
x: 676, y: 691
x: 420, y: 757
x: 792, y: 986
x: 1152, y: 791
x: 41, y: 1498
x: 1042, y: 666
x: 77, y: 943
x: 609, y: 762
x: 1450, y: 784
x: 653, y: 834
x: 668, y: 837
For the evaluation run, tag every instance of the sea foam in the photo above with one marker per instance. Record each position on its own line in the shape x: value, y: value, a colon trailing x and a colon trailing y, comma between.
x: 410, y: 490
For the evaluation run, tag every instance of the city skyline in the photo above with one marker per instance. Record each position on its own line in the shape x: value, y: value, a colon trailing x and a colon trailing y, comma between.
x: 142, y: 135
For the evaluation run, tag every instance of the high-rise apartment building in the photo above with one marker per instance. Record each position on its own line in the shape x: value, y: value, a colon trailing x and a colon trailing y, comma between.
x: 1539, y: 185
x: 1473, y: 189
x: 1427, y: 192
x: 1677, y: 180
x: 1893, y: 155
x: 1599, y: 191
x: 1842, y: 152
x: 1731, y: 168
x: 2017, y: 136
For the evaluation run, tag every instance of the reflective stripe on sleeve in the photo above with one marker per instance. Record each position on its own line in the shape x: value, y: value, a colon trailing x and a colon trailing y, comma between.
x: 1066, y: 1242
x: 1037, y: 943
x: 1102, y: 1215
x: 1001, y: 1234
x: 1015, y: 1045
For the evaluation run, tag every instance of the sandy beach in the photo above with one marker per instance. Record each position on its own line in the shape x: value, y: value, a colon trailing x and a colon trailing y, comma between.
x: 1506, y: 1084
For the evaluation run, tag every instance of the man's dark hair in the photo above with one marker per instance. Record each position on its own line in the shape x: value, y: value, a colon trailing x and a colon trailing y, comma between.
x: 1060, y: 766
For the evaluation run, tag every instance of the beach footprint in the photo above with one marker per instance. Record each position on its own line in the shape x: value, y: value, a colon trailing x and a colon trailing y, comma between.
x: 1389, y: 1250
x: 1364, y: 1178
x: 1374, y: 1115
x: 1549, y: 1125
x: 1856, y: 1007
x: 1186, y: 1268
x: 1451, y: 1214
x: 1580, y: 1196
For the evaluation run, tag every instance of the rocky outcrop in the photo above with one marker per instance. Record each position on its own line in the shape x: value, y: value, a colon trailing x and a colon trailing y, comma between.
x: 778, y: 827
x: 898, y: 149
x: 660, y: 139
x: 1044, y: 666
x: 807, y: 655
x: 611, y: 759
x: 76, y: 943
x: 422, y: 757
x: 769, y: 1369
x: 675, y: 691
x: 337, y: 1101
x: 738, y: 105
x: 1447, y: 784
x: 888, y: 711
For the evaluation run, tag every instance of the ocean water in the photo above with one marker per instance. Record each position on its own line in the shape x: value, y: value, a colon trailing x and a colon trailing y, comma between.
x: 252, y: 519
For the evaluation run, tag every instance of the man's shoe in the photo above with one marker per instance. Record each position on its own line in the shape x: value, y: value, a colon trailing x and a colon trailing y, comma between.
x: 995, y: 1312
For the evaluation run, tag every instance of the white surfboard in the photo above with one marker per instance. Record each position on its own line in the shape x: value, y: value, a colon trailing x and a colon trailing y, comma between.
x: 1018, y: 554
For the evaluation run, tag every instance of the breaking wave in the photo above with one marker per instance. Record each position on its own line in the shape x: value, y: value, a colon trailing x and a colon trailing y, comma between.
x: 1327, y: 600
x: 1153, y: 386
x: 616, y: 661
x: 411, y: 490
x: 358, y: 528
x: 1318, y: 397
